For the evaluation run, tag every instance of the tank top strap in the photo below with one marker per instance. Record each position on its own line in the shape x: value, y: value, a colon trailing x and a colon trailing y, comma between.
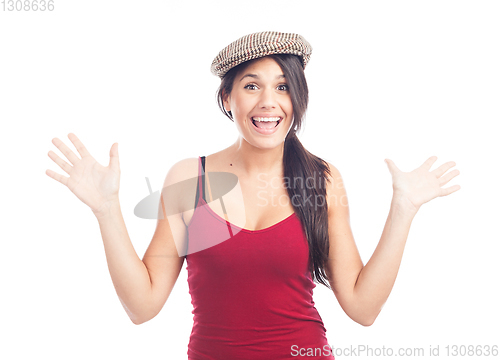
x: 201, y: 181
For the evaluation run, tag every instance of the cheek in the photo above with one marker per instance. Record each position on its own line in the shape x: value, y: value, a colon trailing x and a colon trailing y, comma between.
x: 239, y: 105
x: 289, y: 108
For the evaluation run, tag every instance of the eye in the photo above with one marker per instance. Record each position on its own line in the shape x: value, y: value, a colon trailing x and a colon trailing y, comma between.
x: 283, y: 87
x: 251, y: 87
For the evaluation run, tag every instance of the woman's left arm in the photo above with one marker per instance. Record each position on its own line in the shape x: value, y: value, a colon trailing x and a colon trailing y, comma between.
x: 363, y: 290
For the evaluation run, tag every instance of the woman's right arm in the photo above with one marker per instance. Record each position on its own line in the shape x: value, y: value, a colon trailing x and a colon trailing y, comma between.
x: 142, y: 286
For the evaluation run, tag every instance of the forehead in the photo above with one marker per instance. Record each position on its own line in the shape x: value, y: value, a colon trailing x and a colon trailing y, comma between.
x: 261, y: 65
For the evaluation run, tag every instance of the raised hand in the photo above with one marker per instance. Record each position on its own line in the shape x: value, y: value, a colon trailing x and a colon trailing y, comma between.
x: 421, y: 185
x: 95, y: 185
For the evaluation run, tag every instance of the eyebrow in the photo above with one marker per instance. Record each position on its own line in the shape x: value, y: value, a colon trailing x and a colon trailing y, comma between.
x: 255, y: 76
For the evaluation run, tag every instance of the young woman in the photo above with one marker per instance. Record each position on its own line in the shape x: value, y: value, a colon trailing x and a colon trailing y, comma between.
x: 254, y: 251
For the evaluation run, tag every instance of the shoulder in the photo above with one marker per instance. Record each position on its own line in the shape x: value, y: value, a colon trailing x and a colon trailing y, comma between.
x: 334, y: 178
x: 182, y: 170
x: 179, y: 187
x: 334, y: 172
x: 335, y: 189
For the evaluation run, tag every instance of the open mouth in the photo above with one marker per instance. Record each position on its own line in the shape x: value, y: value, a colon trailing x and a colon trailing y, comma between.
x: 265, y: 123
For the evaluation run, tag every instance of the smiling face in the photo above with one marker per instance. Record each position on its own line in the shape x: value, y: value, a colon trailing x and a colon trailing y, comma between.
x: 260, y: 104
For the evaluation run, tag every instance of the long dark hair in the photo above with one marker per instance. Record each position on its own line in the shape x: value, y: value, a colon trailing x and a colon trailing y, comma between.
x: 299, y: 164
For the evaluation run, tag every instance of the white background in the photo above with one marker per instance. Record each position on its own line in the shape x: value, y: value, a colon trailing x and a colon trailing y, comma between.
x: 403, y: 80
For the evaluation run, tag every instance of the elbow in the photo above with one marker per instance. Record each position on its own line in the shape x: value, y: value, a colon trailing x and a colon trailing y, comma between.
x: 365, y: 319
x: 367, y: 322
x: 362, y: 312
x: 368, y: 319
x: 137, y: 321
x: 366, y: 315
x: 137, y: 317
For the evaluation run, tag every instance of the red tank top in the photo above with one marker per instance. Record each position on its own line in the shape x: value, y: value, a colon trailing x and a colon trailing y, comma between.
x: 252, y: 293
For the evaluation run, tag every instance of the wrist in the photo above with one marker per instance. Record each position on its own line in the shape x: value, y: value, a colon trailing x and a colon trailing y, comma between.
x: 107, y: 209
x: 403, y: 205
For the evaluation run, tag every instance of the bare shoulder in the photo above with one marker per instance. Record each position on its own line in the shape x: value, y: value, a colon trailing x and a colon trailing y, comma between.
x: 334, y: 172
x: 182, y: 170
x: 335, y: 189
x: 334, y: 178
x: 179, y: 187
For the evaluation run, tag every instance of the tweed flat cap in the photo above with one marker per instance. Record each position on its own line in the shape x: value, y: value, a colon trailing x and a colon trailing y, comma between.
x: 257, y: 45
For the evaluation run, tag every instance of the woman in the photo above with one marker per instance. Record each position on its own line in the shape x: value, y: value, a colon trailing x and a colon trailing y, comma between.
x: 252, y: 257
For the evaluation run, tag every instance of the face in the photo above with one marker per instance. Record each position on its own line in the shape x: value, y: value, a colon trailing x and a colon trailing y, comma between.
x: 260, y: 104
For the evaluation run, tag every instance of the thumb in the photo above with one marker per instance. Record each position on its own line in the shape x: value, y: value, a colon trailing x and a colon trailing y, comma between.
x: 113, y: 157
x: 392, y: 167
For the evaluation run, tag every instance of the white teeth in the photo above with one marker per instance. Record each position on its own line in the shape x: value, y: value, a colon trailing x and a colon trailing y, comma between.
x: 266, y: 118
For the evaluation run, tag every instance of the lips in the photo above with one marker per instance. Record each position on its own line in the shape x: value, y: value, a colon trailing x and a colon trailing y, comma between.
x: 266, y: 121
x: 266, y: 125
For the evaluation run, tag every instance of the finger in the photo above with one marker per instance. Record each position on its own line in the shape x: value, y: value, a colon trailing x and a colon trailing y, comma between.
x: 443, y: 168
x: 449, y: 190
x: 428, y: 163
x: 445, y: 179
x: 392, y: 167
x: 66, y: 151
x: 114, y: 161
x: 63, y: 164
x: 62, y: 179
x: 82, y: 150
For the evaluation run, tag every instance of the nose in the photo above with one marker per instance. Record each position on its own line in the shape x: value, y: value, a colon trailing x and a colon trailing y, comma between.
x: 267, y: 99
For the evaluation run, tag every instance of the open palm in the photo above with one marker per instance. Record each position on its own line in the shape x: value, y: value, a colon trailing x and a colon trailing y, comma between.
x: 94, y: 184
x: 421, y: 185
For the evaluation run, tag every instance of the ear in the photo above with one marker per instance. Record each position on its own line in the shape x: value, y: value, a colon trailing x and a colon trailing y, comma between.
x: 226, y: 102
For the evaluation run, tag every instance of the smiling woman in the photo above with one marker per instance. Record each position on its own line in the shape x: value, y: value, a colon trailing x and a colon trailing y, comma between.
x: 275, y: 86
x: 253, y: 262
x: 266, y: 98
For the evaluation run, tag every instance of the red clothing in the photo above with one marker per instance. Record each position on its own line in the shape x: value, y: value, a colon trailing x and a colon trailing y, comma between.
x: 252, y: 293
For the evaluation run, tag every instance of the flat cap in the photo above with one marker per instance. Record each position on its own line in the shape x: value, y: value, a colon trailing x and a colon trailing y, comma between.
x: 257, y: 45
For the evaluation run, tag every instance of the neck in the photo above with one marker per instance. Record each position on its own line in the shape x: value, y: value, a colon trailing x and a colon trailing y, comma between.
x: 253, y: 161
